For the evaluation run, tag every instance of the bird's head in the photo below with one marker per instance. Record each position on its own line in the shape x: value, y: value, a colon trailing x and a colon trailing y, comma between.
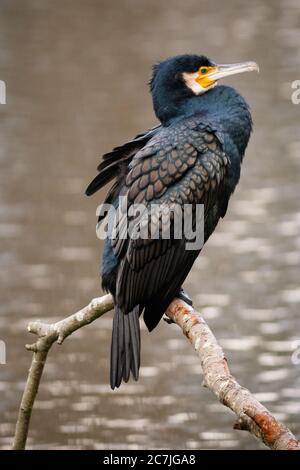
x: 180, y: 77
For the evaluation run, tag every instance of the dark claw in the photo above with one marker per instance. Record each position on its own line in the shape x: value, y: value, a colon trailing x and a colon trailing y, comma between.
x: 168, y: 320
x: 184, y: 296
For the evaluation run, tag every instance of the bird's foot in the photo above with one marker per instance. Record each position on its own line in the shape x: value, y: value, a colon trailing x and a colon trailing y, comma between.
x: 168, y: 320
x: 184, y: 296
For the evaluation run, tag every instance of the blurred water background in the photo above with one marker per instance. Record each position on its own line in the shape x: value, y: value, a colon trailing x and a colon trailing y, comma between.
x: 76, y: 75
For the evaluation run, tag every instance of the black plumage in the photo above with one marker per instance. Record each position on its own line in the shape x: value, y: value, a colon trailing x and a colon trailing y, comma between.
x: 192, y: 157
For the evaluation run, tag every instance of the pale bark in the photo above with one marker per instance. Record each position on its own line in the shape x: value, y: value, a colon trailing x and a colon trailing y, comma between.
x: 47, y: 335
x: 251, y: 415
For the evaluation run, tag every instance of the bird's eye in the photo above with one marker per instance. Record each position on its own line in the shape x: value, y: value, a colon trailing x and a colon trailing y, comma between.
x: 203, y: 70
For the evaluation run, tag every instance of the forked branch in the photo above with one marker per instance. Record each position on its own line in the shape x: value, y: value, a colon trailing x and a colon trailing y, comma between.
x: 251, y: 414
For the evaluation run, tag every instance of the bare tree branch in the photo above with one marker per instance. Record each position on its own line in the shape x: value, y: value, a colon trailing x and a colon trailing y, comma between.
x: 251, y: 415
x: 47, y: 335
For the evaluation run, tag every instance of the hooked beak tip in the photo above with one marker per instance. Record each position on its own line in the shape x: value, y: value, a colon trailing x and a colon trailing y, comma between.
x: 253, y: 66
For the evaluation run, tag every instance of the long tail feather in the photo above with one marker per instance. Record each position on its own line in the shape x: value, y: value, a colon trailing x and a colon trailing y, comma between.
x: 125, y: 346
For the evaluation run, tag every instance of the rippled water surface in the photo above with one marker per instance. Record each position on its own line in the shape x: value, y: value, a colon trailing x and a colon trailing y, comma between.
x: 76, y: 75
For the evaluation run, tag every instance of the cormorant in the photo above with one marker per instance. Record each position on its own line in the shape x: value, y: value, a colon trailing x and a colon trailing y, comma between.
x: 192, y: 157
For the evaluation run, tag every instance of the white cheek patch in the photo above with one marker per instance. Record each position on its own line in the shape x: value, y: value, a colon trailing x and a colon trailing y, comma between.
x: 190, y: 81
